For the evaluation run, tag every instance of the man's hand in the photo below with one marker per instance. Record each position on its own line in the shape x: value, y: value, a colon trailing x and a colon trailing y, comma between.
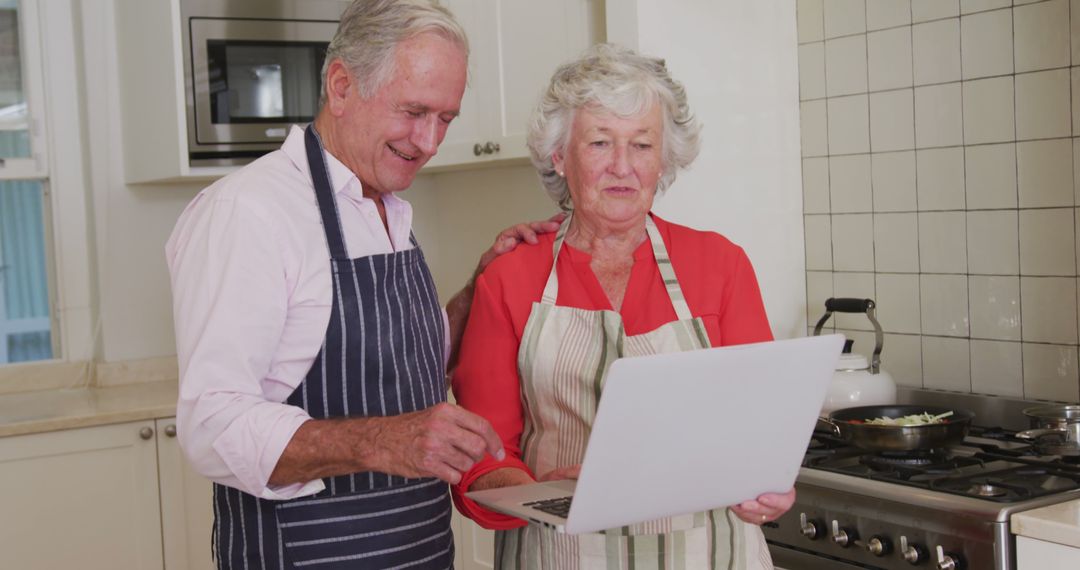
x: 509, y: 238
x: 767, y: 507
x: 442, y: 441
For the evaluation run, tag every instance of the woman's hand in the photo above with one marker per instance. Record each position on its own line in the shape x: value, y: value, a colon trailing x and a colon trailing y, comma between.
x: 765, y: 508
x: 561, y: 473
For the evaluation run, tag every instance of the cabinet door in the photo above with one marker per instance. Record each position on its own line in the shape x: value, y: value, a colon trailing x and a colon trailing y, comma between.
x: 84, y: 498
x: 475, y: 545
x: 187, y: 515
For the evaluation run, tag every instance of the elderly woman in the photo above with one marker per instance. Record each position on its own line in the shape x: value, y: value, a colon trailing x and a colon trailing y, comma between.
x: 547, y: 320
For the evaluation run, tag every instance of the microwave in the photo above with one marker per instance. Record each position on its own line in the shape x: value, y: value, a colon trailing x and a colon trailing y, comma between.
x: 251, y: 68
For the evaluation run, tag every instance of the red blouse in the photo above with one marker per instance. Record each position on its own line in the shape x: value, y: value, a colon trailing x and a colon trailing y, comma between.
x: 717, y: 280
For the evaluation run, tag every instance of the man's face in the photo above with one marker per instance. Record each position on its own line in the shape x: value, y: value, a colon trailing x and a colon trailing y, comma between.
x: 385, y: 139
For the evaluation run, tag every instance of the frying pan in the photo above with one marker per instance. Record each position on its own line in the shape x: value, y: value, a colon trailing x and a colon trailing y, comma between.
x: 847, y: 423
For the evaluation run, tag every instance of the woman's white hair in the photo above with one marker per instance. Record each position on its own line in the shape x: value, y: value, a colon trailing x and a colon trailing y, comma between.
x: 622, y: 82
x: 370, y: 31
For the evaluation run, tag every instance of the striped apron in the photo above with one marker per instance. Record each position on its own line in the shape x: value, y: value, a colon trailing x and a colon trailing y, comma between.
x: 563, y: 360
x: 382, y: 356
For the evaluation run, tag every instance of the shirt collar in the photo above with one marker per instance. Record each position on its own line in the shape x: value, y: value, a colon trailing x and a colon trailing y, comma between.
x: 341, y: 178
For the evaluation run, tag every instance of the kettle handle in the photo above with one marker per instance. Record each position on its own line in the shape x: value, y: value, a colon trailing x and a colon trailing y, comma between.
x: 850, y: 305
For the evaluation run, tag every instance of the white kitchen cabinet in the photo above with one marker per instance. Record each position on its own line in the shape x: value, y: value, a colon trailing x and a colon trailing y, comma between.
x: 101, y: 498
x: 515, y: 45
x: 475, y: 545
x: 1034, y: 554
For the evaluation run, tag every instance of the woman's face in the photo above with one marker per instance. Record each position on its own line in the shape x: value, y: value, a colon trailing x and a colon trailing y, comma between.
x: 612, y: 164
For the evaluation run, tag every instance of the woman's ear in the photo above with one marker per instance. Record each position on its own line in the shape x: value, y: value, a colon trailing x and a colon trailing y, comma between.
x: 557, y: 162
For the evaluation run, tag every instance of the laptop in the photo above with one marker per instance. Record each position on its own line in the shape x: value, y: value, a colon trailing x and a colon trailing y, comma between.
x: 686, y: 432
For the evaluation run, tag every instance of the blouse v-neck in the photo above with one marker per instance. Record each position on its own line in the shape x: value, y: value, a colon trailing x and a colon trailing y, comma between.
x: 636, y: 286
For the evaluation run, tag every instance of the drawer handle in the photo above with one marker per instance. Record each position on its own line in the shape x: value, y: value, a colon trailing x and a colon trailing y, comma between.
x: 146, y: 433
x: 170, y: 430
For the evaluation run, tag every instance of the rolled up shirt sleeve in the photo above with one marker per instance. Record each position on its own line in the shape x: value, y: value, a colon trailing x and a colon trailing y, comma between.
x: 231, y: 299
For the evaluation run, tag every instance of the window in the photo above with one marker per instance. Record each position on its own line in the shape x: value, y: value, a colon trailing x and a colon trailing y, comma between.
x: 26, y: 331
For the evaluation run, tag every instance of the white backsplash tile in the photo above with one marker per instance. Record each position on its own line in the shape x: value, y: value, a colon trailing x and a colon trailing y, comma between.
x: 940, y: 176
x: 946, y: 363
x: 898, y: 302
x: 855, y: 286
x: 845, y: 65
x: 864, y: 340
x: 923, y: 10
x: 815, y: 176
x: 1042, y: 105
x: 944, y: 301
x: 818, y: 231
x: 889, y: 59
x: 942, y: 247
x: 811, y: 71
x: 1050, y: 372
x: 813, y: 130
x: 1076, y: 96
x: 935, y: 50
x: 1076, y: 171
x: 1045, y: 173
x: 819, y: 288
x: 996, y: 368
x: 849, y: 182
x: 1047, y: 238
x: 1048, y: 306
x: 901, y: 357
x: 969, y: 6
x: 986, y: 44
x: 896, y: 243
x: 988, y: 110
x: 849, y: 124
x: 995, y: 307
x: 1074, y: 11
x: 844, y: 17
x: 853, y: 242
x: 882, y: 14
x: 938, y: 116
x: 893, y: 175
x: 892, y: 121
x: 993, y: 242
x: 811, y: 21
x: 990, y: 176
x: 1042, y: 35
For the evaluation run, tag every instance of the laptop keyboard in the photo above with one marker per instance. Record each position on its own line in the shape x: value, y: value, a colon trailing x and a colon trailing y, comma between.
x: 559, y: 507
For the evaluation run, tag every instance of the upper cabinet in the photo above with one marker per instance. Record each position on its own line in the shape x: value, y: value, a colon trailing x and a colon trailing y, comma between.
x: 515, y: 45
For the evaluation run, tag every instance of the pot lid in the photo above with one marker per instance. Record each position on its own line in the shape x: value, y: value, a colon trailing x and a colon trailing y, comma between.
x: 851, y: 360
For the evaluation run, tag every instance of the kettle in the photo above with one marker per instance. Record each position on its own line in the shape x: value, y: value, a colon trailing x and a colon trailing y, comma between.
x: 856, y: 381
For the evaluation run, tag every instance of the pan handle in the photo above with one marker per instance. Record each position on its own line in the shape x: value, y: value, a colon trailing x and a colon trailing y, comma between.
x: 850, y: 305
x: 832, y: 425
x: 1032, y: 434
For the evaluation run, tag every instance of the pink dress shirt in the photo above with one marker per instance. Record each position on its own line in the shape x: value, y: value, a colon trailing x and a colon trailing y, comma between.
x: 251, y: 289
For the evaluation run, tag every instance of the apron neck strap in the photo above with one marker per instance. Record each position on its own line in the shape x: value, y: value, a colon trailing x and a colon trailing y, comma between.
x: 324, y: 193
x: 663, y: 263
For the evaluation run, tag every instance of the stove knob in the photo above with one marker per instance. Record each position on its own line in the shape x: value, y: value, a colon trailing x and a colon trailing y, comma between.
x: 878, y: 545
x: 947, y: 560
x: 808, y: 528
x: 843, y: 536
x: 912, y: 553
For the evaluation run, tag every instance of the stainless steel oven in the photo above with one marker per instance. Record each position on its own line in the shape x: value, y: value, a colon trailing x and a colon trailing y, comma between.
x: 252, y: 68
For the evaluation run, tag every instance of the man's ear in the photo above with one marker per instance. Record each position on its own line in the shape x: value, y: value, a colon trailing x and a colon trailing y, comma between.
x: 339, y: 85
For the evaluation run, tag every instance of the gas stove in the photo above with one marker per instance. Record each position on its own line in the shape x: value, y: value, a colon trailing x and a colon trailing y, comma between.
x: 943, y: 508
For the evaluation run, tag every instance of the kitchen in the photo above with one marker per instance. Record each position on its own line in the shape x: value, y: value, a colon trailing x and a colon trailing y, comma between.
x: 881, y: 202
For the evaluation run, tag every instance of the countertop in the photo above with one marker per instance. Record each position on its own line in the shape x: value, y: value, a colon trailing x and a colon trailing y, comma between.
x: 51, y: 410
x: 1058, y: 523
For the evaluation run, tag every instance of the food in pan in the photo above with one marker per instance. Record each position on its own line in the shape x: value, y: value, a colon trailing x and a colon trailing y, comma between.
x: 911, y: 420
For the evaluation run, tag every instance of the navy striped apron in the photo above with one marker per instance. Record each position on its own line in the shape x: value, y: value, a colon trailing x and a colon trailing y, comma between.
x: 382, y: 356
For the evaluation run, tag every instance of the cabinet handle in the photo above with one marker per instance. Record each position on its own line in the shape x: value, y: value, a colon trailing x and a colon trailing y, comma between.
x: 170, y: 430
x: 491, y: 148
x: 478, y: 149
x: 146, y: 433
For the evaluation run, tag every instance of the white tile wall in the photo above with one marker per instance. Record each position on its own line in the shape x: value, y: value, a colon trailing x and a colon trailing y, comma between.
x: 882, y: 14
x: 850, y: 183
x: 892, y: 122
x: 993, y: 242
x: 990, y: 173
x: 944, y: 182
x: 889, y: 58
x: 987, y: 44
x: 1045, y: 173
x: 1042, y: 35
x: 1042, y: 105
x: 1046, y: 242
x: 940, y: 178
x: 849, y: 124
x: 995, y: 307
x: 815, y: 180
x: 936, y: 51
x: 896, y: 243
x: 893, y: 175
x: 938, y: 116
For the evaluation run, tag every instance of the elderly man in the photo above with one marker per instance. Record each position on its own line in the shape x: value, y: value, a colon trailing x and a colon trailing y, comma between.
x: 312, y: 347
